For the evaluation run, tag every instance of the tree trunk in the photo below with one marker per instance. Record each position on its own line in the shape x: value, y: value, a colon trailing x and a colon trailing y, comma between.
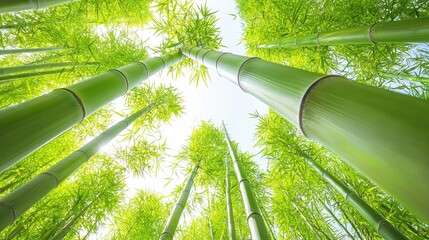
x: 383, y: 227
x: 27, y: 126
x: 406, y: 31
x: 174, y: 218
x: 20, y: 200
x: 231, y: 225
x: 255, y: 220
x: 358, y: 122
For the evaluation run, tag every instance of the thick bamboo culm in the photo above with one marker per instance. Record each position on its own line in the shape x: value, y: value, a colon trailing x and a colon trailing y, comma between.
x: 27, y: 126
x: 16, y: 203
x: 173, y: 220
x: 380, y: 224
x: 29, y: 50
x: 19, y: 5
x: 406, y: 31
x: 256, y: 222
x: 229, y: 209
x: 381, y: 133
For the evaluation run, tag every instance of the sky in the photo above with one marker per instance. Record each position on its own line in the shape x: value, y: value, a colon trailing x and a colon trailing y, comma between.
x: 220, y: 100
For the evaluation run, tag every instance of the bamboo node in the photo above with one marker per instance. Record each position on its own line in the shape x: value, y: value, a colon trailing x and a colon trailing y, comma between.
x: 163, y: 61
x: 239, y: 71
x: 125, y: 78
x: 371, y: 33
x: 79, y: 101
x: 202, y: 59
x: 147, y: 69
x: 251, y: 214
x: 12, y: 208
x: 217, y: 61
x: 53, y: 175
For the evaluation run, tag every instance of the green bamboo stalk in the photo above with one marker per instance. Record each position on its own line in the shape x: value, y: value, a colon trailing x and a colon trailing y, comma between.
x: 256, y: 223
x: 19, y: 5
x: 28, y: 126
x: 231, y: 225
x: 29, y: 50
x: 16, y: 203
x: 66, y: 229
x: 15, y: 77
x: 173, y: 220
x: 383, y: 134
x: 36, y: 67
x: 383, y: 227
x: 407, y: 31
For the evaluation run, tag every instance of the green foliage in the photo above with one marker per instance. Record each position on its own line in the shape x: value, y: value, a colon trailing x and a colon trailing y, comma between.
x: 269, y: 20
x: 142, y: 217
x: 181, y: 23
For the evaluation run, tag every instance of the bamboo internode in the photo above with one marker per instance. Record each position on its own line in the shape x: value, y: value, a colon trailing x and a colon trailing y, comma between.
x: 19, y: 5
x: 381, y: 133
x: 406, y: 31
x: 173, y: 220
x: 20, y: 200
x: 27, y: 126
x: 255, y: 220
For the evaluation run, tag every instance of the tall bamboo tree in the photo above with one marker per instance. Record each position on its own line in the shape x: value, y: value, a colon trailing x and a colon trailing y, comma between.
x: 231, y: 226
x: 15, y: 77
x: 35, y: 67
x: 408, y: 31
x: 19, y: 5
x: 383, y: 227
x: 173, y: 220
x: 32, y: 124
x: 20, y: 200
x: 254, y: 217
x: 29, y: 50
x: 358, y: 122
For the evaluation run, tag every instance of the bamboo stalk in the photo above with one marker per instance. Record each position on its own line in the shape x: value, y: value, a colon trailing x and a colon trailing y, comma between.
x: 383, y: 227
x: 35, y: 67
x: 16, y: 203
x: 173, y: 220
x: 231, y: 225
x: 15, y: 77
x: 27, y: 126
x: 407, y: 31
x: 310, y: 225
x: 255, y: 220
x: 381, y: 133
x: 29, y: 50
x: 19, y: 5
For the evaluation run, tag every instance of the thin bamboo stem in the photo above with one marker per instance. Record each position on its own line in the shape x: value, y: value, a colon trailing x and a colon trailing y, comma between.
x: 15, y: 77
x: 29, y: 50
x: 407, y: 31
x: 383, y: 227
x: 229, y: 209
x: 255, y: 220
x: 173, y: 220
x: 27, y: 126
x: 20, y: 5
x: 16, y: 203
x: 306, y: 220
x: 358, y: 122
x: 35, y: 67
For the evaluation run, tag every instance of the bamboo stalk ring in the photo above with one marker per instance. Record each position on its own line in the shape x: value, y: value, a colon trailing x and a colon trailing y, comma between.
x: 371, y: 33
x: 79, y: 101
x: 239, y: 71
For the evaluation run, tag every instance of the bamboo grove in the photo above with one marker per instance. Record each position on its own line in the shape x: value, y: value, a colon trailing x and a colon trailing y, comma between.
x: 340, y: 154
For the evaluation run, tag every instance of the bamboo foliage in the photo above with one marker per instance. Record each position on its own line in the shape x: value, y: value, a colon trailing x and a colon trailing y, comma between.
x: 406, y: 31
x: 35, y: 67
x: 13, y: 205
x: 14, y: 77
x: 32, y: 124
x: 255, y: 220
x: 358, y: 122
x: 19, y: 5
x: 173, y: 220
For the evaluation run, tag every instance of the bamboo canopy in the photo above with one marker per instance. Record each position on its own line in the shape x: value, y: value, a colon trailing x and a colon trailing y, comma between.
x: 380, y: 224
x: 19, y: 5
x: 383, y: 134
x: 15, y: 77
x: 256, y: 223
x: 23, y: 198
x: 30, y: 125
x: 173, y: 220
x: 231, y: 226
x: 406, y: 31
x: 35, y: 67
